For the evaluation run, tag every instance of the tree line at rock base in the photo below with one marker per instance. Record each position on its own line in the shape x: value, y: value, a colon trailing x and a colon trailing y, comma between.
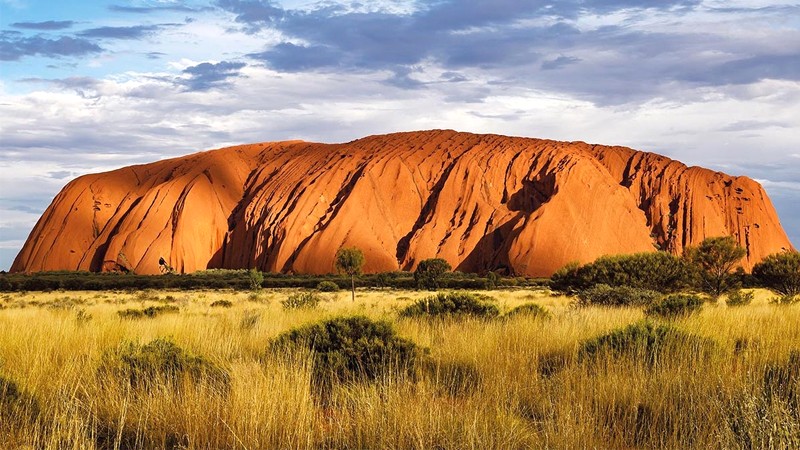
x: 710, y: 268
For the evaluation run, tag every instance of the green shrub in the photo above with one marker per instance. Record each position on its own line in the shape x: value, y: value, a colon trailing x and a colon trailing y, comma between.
x: 785, y: 300
x: 429, y: 273
x: 160, y: 362
x: 453, y: 304
x: 327, y: 286
x: 647, y: 343
x: 301, y: 300
x: 222, y: 304
x: 350, y: 349
x: 529, y: 310
x: 255, y: 278
x: 605, y: 295
x: 780, y: 273
x: 675, y: 306
x: 149, y: 312
x: 739, y: 298
x: 655, y: 271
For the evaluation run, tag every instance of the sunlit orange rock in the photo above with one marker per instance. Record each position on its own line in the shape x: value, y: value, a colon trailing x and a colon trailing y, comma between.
x: 482, y: 202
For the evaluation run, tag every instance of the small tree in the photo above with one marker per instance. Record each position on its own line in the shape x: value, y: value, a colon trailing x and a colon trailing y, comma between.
x: 780, y: 273
x: 429, y: 272
x: 350, y: 261
x: 256, y: 278
x: 714, y: 259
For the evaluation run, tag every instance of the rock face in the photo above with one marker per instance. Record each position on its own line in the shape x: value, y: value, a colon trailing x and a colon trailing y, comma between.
x: 482, y: 202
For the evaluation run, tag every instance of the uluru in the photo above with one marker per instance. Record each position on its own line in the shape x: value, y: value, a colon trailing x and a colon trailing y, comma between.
x: 482, y: 202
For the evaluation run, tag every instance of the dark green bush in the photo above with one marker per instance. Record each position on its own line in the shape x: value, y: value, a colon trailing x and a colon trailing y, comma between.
x: 529, y: 310
x: 222, y: 304
x: 675, y: 306
x: 605, y: 295
x: 739, y: 298
x: 655, y: 271
x: 780, y: 273
x: 327, y: 286
x: 351, y: 349
x: 301, y: 300
x: 647, y: 343
x: 429, y: 273
x: 158, y: 363
x: 452, y: 304
x: 149, y: 312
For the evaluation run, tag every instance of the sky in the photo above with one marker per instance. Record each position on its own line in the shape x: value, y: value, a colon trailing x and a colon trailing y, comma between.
x: 93, y: 85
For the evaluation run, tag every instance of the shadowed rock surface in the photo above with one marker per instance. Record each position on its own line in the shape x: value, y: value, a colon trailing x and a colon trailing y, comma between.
x: 481, y: 202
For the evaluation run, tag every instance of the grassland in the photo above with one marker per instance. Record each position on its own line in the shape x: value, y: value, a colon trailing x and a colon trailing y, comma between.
x: 515, y: 383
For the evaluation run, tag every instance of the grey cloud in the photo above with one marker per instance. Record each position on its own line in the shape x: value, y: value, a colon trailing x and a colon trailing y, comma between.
x: 750, y: 125
x: 154, y: 9
x: 288, y: 57
x: 14, y: 48
x: 132, y: 32
x: 205, y: 76
x: 557, y: 63
x: 44, y: 26
x: 638, y: 64
x: 60, y: 174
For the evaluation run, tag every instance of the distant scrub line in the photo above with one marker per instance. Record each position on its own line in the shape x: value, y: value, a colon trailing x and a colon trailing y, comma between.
x: 242, y: 280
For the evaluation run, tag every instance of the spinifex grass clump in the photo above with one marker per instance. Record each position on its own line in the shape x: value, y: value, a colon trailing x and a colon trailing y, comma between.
x: 222, y: 304
x: 159, y: 363
x: 149, y: 312
x: 351, y: 349
x: 453, y: 378
x: 782, y: 382
x: 647, y: 343
x: 676, y: 306
x: 16, y: 407
x: 452, y: 304
x: 605, y: 295
x: 529, y: 310
x: 301, y: 300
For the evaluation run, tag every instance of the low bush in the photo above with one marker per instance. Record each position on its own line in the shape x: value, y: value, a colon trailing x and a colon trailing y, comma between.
x: 222, y: 304
x: 675, y: 306
x: 149, y: 312
x: 605, y: 295
x: 656, y: 271
x: 301, y: 300
x: 453, y: 304
x: 529, y: 310
x: 647, y: 343
x: 785, y: 299
x: 350, y: 349
x: 780, y: 273
x: 159, y: 363
x: 327, y: 286
x: 739, y: 298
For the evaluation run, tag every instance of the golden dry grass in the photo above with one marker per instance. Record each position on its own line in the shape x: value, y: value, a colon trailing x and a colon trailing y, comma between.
x: 529, y: 388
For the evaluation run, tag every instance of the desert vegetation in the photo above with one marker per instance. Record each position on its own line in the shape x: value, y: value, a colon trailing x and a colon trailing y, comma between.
x: 509, y: 368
